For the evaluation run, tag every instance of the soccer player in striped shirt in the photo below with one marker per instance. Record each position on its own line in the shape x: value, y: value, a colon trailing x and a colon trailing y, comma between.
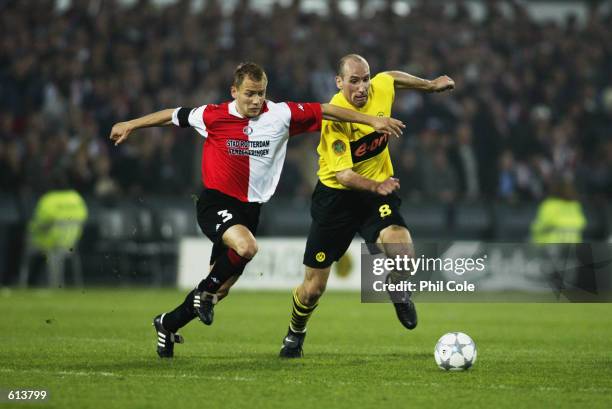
x: 243, y: 155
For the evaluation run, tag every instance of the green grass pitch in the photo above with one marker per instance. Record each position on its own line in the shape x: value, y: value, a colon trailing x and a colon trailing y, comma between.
x: 96, y: 349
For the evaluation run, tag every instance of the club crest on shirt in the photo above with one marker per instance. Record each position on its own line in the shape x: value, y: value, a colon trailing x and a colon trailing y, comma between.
x: 380, y: 114
x: 247, y: 130
x: 339, y: 147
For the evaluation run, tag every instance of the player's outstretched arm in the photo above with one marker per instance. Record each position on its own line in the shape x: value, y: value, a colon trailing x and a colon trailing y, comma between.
x: 121, y: 130
x: 403, y: 80
x: 384, y: 125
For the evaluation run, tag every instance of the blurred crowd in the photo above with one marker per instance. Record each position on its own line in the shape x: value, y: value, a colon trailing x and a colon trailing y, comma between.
x: 533, y: 100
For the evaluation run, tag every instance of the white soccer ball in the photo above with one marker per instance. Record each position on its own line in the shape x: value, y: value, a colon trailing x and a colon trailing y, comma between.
x: 455, y: 351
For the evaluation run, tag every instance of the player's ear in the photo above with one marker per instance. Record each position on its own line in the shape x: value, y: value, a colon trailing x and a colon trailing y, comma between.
x: 234, y: 92
x: 339, y: 82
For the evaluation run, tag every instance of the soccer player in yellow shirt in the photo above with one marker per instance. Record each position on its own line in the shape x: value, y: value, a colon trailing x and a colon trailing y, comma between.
x: 356, y: 192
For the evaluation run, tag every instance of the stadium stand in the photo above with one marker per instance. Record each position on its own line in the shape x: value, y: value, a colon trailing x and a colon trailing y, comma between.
x: 534, y: 98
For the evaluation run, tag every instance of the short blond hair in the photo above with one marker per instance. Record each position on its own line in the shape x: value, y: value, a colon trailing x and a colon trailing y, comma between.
x: 250, y: 70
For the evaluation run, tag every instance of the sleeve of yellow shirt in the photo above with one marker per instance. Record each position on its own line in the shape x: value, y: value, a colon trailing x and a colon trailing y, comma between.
x: 335, y: 146
x: 385, y: 83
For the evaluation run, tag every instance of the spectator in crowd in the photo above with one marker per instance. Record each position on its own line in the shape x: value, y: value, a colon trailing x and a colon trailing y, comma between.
x: 11, y: 168
x: 465, y: 162
x: 407, y: 171
x: 441, y: 182
x: 507, y: 188
x: 539, y: 90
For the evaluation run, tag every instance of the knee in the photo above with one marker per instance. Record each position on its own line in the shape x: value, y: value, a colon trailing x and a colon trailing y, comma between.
x: 247, y: 248
x: 396, y: 241
x: 395, y: 234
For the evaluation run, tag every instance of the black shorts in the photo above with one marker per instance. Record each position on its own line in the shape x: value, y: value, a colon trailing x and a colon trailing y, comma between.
x: 338, y: 214
x: 217, y: 212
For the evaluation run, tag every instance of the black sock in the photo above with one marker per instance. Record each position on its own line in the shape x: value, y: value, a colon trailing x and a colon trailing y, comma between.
x: 229, y: 263
x: 181, y: 315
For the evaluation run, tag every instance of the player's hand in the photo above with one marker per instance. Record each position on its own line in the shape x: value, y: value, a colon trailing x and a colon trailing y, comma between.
x: 120, y: 132
x: 443, y: 83
x: 388, y: 186
x: 389, y: 126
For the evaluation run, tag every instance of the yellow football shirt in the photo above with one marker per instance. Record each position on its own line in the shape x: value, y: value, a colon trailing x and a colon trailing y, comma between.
x: 356, y: 146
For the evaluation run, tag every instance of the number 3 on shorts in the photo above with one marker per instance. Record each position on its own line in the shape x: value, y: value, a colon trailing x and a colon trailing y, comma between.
x: 384, y: 210
x: 225, y: 215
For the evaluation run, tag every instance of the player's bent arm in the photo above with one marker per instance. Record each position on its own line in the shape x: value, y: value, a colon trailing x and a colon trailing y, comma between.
x: 353, y: 180
x: 403, y: 80
x: 122, y: 130
x: 380, y: 124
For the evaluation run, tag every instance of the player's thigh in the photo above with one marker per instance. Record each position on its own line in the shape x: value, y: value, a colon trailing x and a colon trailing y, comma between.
x: 217, y: 213
x: 382, y: 214
x: 326, y: 244
x: 334, y: 224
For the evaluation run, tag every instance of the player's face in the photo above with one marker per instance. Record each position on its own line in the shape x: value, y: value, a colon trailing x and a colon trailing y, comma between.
x: 355, y: 82
x: 250, y: 96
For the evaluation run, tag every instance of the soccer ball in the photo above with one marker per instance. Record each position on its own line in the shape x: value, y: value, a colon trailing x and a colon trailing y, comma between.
x: 455, y: 351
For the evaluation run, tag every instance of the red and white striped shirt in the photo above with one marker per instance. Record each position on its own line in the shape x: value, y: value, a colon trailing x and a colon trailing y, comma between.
x: 243, y: 157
